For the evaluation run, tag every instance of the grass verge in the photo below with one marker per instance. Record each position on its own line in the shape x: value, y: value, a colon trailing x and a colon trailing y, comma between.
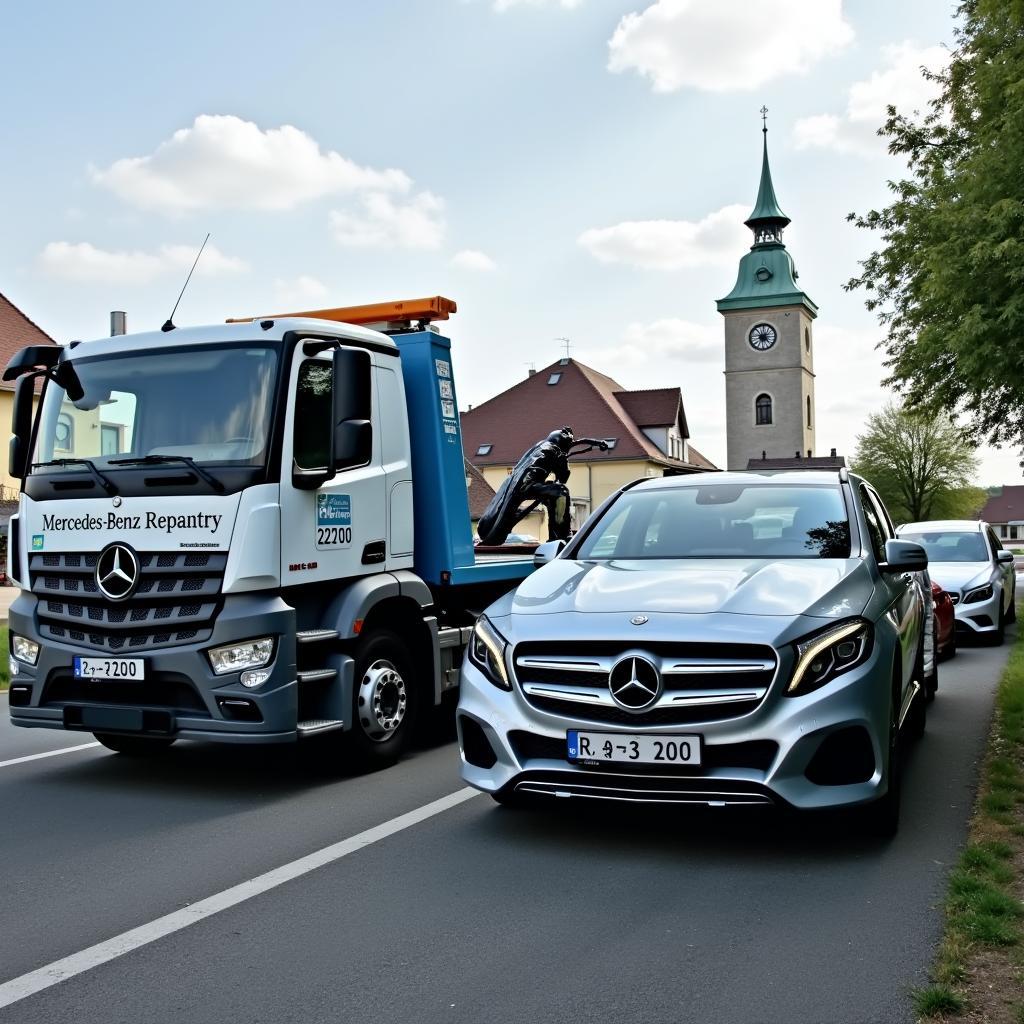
x: 979, y: 971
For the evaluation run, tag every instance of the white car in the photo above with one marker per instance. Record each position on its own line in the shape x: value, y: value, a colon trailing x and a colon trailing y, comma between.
x: 966, y: 559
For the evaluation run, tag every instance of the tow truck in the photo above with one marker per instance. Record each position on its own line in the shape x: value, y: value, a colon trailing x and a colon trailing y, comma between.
x: 251, y: 532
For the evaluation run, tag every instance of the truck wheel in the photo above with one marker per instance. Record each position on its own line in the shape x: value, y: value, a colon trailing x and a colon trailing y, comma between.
x: 135, y: 746
x: 384, y: 700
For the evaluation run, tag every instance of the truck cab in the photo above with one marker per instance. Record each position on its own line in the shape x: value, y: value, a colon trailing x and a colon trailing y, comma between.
x: 250, y: 532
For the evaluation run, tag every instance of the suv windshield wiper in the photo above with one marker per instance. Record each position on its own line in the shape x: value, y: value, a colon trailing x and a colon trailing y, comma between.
x: 159, y: 460
x: 105, y: 482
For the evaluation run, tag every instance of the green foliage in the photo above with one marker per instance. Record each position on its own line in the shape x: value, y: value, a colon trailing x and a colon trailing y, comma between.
x: 937, y: 999
x: 947, y: 280
x: 921, y: 465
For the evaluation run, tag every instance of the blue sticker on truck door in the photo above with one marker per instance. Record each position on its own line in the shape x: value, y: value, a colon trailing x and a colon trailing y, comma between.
x: 333, y: 521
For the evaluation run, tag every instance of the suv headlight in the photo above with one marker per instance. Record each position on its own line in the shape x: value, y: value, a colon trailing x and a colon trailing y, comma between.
x: 978, y: 594
x: 823, y: 656
x: 487, y: 649
x: 237, y: 657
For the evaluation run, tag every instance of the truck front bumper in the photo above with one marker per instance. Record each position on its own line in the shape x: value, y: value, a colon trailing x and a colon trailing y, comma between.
x: 179, y: 696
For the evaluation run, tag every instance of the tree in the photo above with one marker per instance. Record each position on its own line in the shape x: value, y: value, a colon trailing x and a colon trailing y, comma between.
x: 948, y: 281
x: 921, y: 465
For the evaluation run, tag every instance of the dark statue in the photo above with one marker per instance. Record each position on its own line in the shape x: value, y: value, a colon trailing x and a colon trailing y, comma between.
x: 527, y: 486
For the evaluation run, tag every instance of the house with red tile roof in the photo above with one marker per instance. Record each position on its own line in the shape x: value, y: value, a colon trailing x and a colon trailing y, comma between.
x: 646, y: 432
x: 16, y: 331
x: 1004, y: 512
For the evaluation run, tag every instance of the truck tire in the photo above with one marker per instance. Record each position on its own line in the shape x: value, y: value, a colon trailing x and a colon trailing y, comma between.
x: 134, y: 746
x: 385, y: 701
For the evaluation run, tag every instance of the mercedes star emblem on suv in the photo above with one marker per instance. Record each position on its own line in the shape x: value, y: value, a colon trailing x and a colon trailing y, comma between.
x: 117, y: 572
x: 634, y: 683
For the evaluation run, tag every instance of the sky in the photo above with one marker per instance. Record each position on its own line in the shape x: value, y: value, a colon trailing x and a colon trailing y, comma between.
x: 561, y: 168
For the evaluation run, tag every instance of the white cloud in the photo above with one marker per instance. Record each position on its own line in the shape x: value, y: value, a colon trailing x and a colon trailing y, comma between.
x: 222, y: 161
x: 504, y: 5
x: 414, y: 224
x: 726, y: 45
x: 899, y: 82
x: 473, y: 259
x: 644, y: 344
x: 303, y: 290
x: 83, y: 262
x: 672, y: 244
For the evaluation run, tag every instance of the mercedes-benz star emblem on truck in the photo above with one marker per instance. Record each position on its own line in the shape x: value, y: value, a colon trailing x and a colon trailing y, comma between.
x: 117, y: 572
x: 634, y: 683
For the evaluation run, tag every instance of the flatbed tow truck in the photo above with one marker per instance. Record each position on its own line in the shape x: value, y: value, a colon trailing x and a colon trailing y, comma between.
x: 253, y: 532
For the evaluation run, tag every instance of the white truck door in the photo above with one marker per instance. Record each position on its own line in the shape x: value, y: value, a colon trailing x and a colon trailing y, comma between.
x: 337, y: 530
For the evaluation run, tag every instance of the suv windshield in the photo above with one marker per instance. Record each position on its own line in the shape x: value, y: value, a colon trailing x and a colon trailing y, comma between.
x: 951, y: 545
x: 211, y: 404
x: 723, y: 521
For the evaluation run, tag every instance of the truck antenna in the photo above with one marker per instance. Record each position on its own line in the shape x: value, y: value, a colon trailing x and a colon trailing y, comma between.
x: 169, y: 323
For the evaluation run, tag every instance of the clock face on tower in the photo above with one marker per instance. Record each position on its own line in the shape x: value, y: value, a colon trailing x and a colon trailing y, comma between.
x: 762, y: 337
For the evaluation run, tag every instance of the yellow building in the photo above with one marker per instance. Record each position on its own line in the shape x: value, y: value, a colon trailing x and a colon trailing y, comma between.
x: 646, y: 432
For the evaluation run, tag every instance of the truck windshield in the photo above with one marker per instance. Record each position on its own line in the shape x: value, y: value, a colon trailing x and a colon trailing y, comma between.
x: 723, y: 521
x: 211, y: 404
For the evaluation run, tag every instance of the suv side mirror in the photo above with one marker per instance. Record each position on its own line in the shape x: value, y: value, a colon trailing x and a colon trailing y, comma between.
x: 547, y: 552
x: 1004, y: 556
x: 21, y: 426
x: 352, y: 439
x: 904, y: 556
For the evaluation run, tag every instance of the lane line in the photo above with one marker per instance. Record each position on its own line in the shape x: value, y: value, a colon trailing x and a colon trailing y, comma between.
x: 46, y: 753
x: 103, y: 952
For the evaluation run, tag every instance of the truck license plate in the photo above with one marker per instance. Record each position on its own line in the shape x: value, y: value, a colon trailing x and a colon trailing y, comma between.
x: 616, y: 747
x: 130, y: 669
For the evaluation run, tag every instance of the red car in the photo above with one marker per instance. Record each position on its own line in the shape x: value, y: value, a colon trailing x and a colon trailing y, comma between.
x: 945, y: 630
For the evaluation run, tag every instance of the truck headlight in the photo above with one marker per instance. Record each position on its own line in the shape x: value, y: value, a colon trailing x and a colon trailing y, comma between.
x: 24, y: 649
x: 487, y: 651
x: 237, y: 657
x: 978, y: 594
x: 825, y: 655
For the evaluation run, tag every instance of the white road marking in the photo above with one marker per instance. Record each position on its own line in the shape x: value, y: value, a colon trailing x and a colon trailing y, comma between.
x: 103, y: 952
x: 46, y: 753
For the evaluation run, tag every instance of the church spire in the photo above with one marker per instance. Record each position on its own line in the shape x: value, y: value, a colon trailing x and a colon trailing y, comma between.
x: 766, y: 220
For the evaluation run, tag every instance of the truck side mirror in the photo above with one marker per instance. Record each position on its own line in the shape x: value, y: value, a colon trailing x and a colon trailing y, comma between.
x: 904, y: 556
x: 352, y: 440
x: 21, y: 426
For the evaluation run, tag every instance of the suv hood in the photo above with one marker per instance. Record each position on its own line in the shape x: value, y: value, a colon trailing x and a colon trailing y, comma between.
x: 825, y: 588
x: 957, y: 576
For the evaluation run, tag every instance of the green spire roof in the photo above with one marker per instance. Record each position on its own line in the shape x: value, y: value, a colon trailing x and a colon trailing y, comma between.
x: 766, y: 209
x: 767, y: 275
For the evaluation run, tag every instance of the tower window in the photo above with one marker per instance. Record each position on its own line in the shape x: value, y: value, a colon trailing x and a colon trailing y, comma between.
x: 807, y: 338
x: 763, y: 410
x: 808, y: 410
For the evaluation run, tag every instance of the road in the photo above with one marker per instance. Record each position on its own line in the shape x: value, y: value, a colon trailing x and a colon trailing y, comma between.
x: 465, y: 912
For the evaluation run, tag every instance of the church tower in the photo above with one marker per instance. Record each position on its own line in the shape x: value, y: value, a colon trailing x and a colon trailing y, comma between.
x: 769, y: 343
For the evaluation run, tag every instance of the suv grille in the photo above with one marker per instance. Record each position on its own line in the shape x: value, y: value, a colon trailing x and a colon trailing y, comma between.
x: 175, y: 602
x: 700, y: 682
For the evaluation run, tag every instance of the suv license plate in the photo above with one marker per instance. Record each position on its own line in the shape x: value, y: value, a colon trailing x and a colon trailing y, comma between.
x: 627, y: 748
x: 128, y: 669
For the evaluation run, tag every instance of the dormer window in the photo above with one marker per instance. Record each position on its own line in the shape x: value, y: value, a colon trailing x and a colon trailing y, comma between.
x: 554, y: 378
x: 484, y: 449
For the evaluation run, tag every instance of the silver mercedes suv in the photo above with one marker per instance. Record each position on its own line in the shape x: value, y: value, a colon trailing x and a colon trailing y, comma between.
x: 729, y: 638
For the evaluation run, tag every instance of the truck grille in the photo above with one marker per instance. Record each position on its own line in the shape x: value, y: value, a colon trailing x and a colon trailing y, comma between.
x: 175, y: 602
x: 699, y: 682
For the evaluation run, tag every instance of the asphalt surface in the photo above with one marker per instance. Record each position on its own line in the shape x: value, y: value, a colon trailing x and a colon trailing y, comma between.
x: 592, y: 913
